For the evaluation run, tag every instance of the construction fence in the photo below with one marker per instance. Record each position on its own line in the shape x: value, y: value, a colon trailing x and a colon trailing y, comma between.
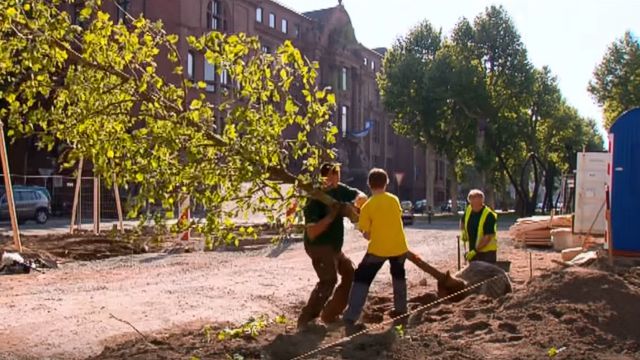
x: 62, y: 188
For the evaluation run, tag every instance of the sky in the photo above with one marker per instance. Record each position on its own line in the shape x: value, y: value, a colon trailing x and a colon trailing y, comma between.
x: 569, y: 36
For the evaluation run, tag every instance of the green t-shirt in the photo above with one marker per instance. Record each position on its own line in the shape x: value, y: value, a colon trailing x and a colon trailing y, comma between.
x: 472, y: 226
x: 316, y: 211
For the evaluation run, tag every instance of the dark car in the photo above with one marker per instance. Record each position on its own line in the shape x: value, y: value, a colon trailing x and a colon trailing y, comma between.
x: 407, y: 213
x: 421, y: 206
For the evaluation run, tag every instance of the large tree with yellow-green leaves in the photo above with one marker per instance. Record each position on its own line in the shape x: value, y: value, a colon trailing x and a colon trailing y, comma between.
x: 96, y: 89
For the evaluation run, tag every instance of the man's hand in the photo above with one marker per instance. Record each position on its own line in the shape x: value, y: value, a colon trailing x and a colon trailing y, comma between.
x: 360, y: 200
x: 349, y: 211
x: 470, y: 255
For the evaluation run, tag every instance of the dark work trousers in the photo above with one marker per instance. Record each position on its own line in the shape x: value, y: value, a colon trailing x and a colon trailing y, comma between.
x: 487, y: 256
x: 328, y: 263
x: 365, y: 273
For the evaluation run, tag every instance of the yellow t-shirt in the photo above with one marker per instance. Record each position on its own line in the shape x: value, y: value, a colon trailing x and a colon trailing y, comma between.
x: 381, y: 217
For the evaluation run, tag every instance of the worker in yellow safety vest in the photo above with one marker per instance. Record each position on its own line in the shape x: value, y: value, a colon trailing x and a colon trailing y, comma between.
x: 479, y: 229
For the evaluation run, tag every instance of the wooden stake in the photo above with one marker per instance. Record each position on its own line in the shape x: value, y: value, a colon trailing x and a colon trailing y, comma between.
x: 458, y: 242
x: 9, y: 191
x: 116, y: 192
x: 96, y: 205
x: 76, y: 196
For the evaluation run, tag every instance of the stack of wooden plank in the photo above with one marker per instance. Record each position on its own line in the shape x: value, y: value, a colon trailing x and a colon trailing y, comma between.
x: 536, y: 230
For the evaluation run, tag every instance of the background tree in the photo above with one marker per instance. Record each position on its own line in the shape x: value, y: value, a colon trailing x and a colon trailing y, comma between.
x: 96, y: 89
x: 426, y: 83
x: 476, y: 98
x: 616, y: 80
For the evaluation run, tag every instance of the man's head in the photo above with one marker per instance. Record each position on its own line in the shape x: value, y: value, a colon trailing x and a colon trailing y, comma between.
x: 330, y: 173
x: 475, y: 199
x: 378, y: 179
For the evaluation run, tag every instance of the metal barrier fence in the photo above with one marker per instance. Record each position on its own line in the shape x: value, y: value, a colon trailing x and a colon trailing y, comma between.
x: 61, y: 189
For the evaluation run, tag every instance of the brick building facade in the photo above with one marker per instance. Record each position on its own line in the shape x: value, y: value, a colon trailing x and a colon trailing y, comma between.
x: 365, y: 138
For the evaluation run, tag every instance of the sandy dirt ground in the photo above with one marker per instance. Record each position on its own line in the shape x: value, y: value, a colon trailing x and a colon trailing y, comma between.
x: 66, y: 313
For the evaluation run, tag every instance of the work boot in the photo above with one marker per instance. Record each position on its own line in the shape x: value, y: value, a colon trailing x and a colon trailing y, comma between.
x: 304, y: 320
x: 351, y: 328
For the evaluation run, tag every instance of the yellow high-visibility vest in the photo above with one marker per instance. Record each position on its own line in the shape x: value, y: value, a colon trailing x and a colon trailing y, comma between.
x: 493, y: 244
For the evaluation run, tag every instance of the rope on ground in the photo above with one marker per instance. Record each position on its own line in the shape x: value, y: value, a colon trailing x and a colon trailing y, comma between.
x: 386, y: 322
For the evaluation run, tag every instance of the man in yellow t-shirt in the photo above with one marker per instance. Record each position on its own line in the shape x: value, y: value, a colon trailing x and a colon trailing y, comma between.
x: 380, y: 223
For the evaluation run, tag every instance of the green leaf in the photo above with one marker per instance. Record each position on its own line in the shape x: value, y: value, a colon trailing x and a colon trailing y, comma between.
x: 110, y: 154
x: 11, y: 12
x: 195, y: 104
x: 173, y: 38
x: 85, y: 13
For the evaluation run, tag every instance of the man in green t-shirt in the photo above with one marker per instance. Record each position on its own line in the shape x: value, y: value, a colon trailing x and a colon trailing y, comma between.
x: 323, y: 239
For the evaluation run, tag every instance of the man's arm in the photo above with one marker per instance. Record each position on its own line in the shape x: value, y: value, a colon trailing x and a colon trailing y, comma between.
x: 364, y: 223
x: 354, y: 195
x: 315, y: 229
x: 360, y: 199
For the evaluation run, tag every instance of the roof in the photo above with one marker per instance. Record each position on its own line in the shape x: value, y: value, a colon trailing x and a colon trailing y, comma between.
x: 319, y: 14
x: 381, y: 50
x: 304, y: 15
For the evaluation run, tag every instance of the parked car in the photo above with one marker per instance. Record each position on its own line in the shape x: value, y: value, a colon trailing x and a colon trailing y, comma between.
x: 42, y: 189
x: 446, y: 207
x: 407, y: 212
x: 31, y: 204
x: 421, y: 206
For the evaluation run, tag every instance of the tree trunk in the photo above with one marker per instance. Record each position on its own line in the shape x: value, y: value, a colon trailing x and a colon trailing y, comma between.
x: 453, y: 190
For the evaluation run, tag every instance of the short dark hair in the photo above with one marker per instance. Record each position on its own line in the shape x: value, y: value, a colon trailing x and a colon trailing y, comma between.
x: 329, y: 167
x: 378, y: 178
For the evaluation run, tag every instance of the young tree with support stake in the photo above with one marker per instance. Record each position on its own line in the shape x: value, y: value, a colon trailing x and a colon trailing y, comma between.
x: 96, y: 88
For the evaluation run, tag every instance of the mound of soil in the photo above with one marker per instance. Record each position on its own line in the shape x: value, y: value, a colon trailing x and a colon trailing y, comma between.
x: 587, y: 313
x: 81, y: 246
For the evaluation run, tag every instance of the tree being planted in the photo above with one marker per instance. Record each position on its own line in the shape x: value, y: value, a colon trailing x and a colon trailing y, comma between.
x: 95, y: 88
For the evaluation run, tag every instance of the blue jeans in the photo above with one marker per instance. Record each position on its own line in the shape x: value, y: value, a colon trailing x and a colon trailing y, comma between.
x: 364, y: 275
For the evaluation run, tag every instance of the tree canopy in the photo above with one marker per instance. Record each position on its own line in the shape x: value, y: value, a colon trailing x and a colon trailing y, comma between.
x: 476, y: 98
x: 616, y: 80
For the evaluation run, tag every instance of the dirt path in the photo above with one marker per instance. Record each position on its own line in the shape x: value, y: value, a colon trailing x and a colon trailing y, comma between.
x: 65, y: 313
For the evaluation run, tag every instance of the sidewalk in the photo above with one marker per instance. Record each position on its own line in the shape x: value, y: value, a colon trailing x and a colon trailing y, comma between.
x: 58, y: 225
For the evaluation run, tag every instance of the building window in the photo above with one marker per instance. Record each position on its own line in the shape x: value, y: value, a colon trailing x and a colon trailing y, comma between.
x: 259, y: 15
x: 272, y: 20
x: 376, y: 132
x: 122, y: 9
x: 284, y: 26
x: 224, y: 77
x: 343, y: 120
x: 265, y: 49
x: 343, y: 79
x: 190, y: 65
x: 209, y: 76
x: 214, y: 15
x: 296, y: 31
x: 373, y: 65
x: 366, y: 61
